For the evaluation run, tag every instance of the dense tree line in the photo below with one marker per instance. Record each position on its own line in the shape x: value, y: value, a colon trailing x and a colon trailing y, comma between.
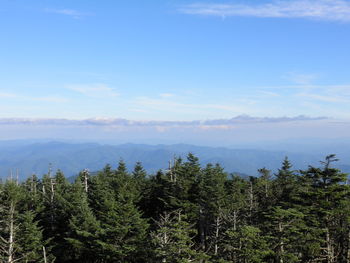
x: 187, y: 213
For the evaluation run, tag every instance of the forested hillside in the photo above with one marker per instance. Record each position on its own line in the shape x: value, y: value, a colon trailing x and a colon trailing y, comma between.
x: 187, y: 213
x: 71, y: 158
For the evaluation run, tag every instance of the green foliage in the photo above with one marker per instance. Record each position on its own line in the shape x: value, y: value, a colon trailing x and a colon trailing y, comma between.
x: 186, y: 213
x: 30, y: 239
x: 247, y: 244
x: 173, y: 240
x: 83, y: 226
x: 122, y: 230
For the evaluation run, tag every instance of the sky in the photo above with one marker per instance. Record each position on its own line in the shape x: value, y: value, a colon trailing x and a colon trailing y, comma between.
x: 162, y: 61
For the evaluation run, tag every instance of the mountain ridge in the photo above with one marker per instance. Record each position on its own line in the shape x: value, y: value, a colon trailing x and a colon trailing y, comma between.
x: 73, y: 157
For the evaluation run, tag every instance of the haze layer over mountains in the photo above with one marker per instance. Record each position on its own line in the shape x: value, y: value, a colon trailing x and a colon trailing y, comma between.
x: 35, y: 157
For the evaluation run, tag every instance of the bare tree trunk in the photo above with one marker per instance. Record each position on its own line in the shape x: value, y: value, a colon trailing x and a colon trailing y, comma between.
x: 11, y: 234
x: 44, y: 254
x: 52, y: 202
x: 234, y: 220
x: 52, y: 189
x: 251, y: 200
x: 201, y: 229
x: 281, y: 245
x: 217, y: 230
x: 330, y: 252
x: 32, y: 184
x: 171, y: 172
x: 17, y: 176
x: 86, y: 174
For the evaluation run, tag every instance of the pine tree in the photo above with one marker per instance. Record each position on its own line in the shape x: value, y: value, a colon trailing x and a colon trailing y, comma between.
x: 83, y: 226
x: 285, y: 185
x: 187, y: 188
x: 122, y: 230
x: 321, y: 197
x: 246, y: 244
x: 212, y: 211
x: 139, y: 174
x: 10, y: 199
x: 32, y: 192
x: 161, y: 196
x: 263, y: 189
x: 30, y: 240
x: 55, y: 214
x: 237, y: 201
x: 173, y: 240
x: 286, y: 228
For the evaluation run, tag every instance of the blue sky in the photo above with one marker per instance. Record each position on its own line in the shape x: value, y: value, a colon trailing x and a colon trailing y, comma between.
x: 174, y: 60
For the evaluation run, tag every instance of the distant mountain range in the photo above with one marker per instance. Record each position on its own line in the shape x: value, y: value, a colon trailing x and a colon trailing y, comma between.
x: 29, y: 157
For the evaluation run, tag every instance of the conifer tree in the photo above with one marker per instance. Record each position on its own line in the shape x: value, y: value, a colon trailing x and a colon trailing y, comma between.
x: 83, y: 226
x: 55, y: 214
x: 10, y: 200
x: 30, y: 240
x: 322, y: 194
x: 246, y: 244
x: 187, y: 177
x: 123, y: 230
x: 161, y: 196
x: 237, y: 201
x: 212, y: 212
x: 285, y: 227
x: 173, y: 240
x: 285, y: 185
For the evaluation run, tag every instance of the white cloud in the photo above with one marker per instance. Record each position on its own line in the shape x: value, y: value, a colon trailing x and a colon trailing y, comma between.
x: 55, y: 99
x: 339, y: 94
x: 166, y: 95
x: 7, y: 95
x: 173, y: 106
x: 269, y: 93
x: 301, y: 79
x: 94, y: 90
x: 67, y: 12
x: 202, y: 124
x: 51, y: 98
x: 325, y: 98
x: 331, y: 10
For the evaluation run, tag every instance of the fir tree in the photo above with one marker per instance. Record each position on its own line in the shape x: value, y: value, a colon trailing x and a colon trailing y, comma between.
x: 212, y: 212
x: 30, y: 240
x: 173, y: 240
x: 10, y: 199
x: 83, y: 226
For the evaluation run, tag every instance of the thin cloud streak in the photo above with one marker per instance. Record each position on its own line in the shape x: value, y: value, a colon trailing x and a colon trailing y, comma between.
x: 329, y: 10
x: 110, y: 122
x: 52, y: 98
x: 7, y: 95
x: 324, y: 98
x: 67, y: 12
x: 93, y: 90
x: 174, y: 106
x: 55, y: 99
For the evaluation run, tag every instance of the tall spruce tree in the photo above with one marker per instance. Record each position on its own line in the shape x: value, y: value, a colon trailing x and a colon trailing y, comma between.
x: 10, y: 199
x: 123, y: 230
x: 30, y: 240
x: 84, y: 228
x: 322, y: 194
x: 212, y: 211
x: 173, y: 240
x: 55, y: 214
x: 246, y: 244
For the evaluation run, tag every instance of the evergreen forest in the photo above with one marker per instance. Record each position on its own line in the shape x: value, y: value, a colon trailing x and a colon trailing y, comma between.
x: 187, y: 213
